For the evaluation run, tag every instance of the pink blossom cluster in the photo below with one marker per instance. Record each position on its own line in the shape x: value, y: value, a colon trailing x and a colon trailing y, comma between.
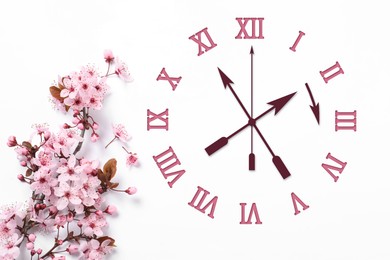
x: 67, y: 190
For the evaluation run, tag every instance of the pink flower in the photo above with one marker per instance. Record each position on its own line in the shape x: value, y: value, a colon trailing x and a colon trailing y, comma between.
x: 67, y: 194
x: 68, y: 172
x: 46, y: 223
x: 120, y: 132
x: 94, y: 250
x: 131, y: 159
x: 93, y: 224
x: 43, y: 182
x: 7, y: 228
x: 72, y: 249
x: 122, y: 71
x: 10, y: 247
x: 108, y: 56
x: 89, y: 189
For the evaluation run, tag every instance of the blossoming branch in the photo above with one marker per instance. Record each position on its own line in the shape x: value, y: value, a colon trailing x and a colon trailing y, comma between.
x: 67, y: 199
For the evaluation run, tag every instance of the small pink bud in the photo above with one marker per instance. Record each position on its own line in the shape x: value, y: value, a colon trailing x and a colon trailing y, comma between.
x: 79, y: 224
x: 33, y: 252
x: 53, y: 210
x: 72, y: 249
x: 23, y: 163
x: 131, y: 190
x: 111, y: 209
x: 31, y: 237
x: 21, y: 178
x: 99, y: 212
x: 12, y: 141
x: 108, y: 56
x: 46, y: 135
x: 75, y: 120
x: 95, y: 126
x: 39, y: 251
x: 59, y: 242
x: 65, y: 126
x: 80, y: 126
x: 76, y: 112
x: 94, y: 137
x: 69, y: 217
x: 30, y: 246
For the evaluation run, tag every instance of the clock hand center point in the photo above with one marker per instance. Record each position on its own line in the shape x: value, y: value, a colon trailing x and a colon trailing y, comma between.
x: 252, y: 121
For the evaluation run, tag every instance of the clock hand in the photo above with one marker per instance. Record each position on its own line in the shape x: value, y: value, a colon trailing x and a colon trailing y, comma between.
x: 277, y: 104
x: 227, y: 83
x: 280, y: 166
x: 315, y: 107
x: 252, y: 155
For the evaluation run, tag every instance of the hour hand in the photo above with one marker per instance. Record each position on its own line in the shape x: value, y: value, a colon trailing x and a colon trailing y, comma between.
x: 221, y: 142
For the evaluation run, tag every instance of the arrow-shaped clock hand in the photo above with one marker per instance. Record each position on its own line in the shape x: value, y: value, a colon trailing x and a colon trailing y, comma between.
x: 315, y: 107
x: 228, y: 83
x: 277, y: 105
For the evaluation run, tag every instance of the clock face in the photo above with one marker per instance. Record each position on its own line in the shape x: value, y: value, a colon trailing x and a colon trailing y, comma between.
x: 261, y: 127
x: 233, y: 130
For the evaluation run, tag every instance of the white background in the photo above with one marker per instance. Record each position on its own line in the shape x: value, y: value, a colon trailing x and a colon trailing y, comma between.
x: 346, y: 220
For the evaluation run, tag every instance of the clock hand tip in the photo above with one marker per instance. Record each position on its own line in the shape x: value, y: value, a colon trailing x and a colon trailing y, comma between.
x: 225, y: 79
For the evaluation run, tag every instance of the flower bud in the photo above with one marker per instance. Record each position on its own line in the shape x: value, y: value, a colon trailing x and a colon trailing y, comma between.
x: 30, y: 246
x: 31, y: 237
x: 12, y: 141
x: 39, y: 251
x: 94, y: 137
x: 80, y: 126
x: 75, y: 120
x: 53, y: 210
x: 111, y: 209
x: 23, y: 163
x: 65, y: 126
x: 21, y: 177
x: 95, y: 126
x: 131, y: 190
x: 46, y: 135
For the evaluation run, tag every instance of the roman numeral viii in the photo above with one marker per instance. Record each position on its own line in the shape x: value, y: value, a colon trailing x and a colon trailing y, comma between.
x: 166, y: 161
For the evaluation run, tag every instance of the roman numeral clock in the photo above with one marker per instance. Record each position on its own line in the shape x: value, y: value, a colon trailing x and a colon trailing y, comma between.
x: 255, y: 121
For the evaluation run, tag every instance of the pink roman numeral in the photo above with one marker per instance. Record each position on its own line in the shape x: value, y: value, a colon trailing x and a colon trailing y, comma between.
x: 173, y: 81
x: 252, y: 211
x: 162, y: 120
x: 345, y: 120
x: 256, y: 28
x: 203, y: 46
x: 330, y: 168
x: 165, y: 162
x: 199, y: 206
x: 294, y: 47
x: 331, y: 72
x: 296, y: 199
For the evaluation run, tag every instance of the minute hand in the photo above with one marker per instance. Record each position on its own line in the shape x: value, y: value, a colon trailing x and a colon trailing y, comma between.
x: 277, y: 104
x: 228, y: 83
